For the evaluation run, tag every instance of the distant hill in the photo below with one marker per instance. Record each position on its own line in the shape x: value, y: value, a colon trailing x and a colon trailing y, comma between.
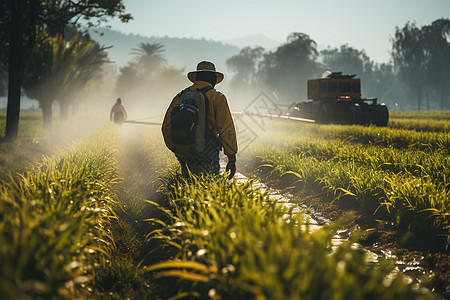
x: 254, y: 40
x: 180, y: 52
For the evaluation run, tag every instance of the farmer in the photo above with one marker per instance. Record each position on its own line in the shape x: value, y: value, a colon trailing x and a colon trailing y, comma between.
x: 221, y: 132
x: 118, y: 112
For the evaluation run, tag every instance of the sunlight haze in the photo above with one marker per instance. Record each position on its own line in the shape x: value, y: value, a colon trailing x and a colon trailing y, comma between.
x: 364, y: 25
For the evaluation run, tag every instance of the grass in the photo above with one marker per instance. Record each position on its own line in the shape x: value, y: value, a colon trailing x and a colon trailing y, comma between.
x: 232, y: 241
x: 425, y: 114
x: 399, y: 175
x: 30, y: 123
x: 34, y: 142
x: 52, y: 224
x: 428, y: 125
x: 97, y: 221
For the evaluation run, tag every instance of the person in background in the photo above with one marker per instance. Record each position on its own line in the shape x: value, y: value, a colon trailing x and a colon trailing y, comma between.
x: 219, y: 122
x: 118, y: 112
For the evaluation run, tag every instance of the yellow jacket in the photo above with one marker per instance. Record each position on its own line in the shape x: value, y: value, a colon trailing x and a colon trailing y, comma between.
x: 219, y: 119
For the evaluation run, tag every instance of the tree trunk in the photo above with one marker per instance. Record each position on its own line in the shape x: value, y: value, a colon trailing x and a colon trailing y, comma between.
x: 19, y: 49
x: 47, y: 114
x: 16, y: 69
x: 419, y: 98
x: 75, y: 108
x: 63, y: 110
x: 14, y: 85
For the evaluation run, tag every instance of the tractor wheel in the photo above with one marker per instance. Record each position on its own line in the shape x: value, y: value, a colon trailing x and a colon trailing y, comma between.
x: 325, y: 113
x: 356, y: 115
x: 382, y: 117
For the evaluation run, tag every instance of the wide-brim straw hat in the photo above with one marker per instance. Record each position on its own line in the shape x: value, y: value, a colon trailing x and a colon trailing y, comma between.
x: 205, y: 66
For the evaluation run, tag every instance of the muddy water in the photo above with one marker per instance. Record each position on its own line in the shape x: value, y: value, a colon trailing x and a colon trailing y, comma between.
x: 413, y: 269
x: 315, y: 220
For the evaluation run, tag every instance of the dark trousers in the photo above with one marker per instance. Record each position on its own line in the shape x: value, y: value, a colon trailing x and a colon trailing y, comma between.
x: 206, y: 162
x: 119, y: 117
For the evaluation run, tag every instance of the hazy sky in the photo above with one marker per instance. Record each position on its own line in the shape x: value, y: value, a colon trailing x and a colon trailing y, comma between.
x: 362, y: 24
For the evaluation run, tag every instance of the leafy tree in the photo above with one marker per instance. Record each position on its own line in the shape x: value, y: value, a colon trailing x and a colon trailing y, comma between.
x: 3, y: 54
x: 128, y: 80
x: 376, y: 79
x: 411, y: 59
x: 150, y: 57
x: 41, y: 80
x: 244, y: 65
x: 57, y: 15
x: 148, y: 77
x: 136, y: 75
x: 165, y: 83
x: 287, y: 69
x: 56, y: 70
x: 19, y: 26
x: 437, y: 46
x: 82, y: 72
x: 20, y: 23
x: 3, y: 83
x: 383, y: 84
x: 347, y: 59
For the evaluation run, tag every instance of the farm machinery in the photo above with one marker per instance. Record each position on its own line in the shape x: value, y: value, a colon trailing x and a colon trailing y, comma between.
x: 336, y: 98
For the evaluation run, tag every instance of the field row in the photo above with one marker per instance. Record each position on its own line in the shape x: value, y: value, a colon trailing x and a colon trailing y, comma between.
x: 232, y: 241
x: 421, y: 114
x: 53, y: 222
x: 427, y: 125
x: 107, y: 218
x: 407, y: 182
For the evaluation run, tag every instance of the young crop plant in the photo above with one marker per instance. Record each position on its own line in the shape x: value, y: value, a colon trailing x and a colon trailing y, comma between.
x: 230, y: 240
x: 395, y: 175
x: 52, y: 224
x: 30, y: 124
x: 431, y: 115
x: 427, y: 125
x: 435, y: 140
x: 141, y: 160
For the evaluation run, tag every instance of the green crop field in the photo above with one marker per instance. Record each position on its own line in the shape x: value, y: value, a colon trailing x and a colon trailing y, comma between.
x: 401, y: 176
x: 109, y: 216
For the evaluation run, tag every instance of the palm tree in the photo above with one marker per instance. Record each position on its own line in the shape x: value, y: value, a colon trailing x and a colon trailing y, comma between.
x: 150, y: 57
x: 57, y: 69
x: 84, y: 70
x: 41, y: 81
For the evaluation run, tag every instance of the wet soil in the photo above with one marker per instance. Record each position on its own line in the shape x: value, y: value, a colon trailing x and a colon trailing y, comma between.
x: 379, y: 237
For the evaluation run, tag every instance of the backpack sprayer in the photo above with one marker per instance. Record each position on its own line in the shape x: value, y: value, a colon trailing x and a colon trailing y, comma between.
x: 262, y: 106
x: 142, y: 122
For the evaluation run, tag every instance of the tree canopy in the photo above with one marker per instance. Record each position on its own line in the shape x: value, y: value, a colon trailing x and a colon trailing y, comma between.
x: 148, y: 77
x: 245, y: 66
x: 150, y: 57
x: 23, y: 20
x: 419, y: 69
x: 284, y: 71
x: 56, y: 70
x: 422, y: 56
x: 346, y: 59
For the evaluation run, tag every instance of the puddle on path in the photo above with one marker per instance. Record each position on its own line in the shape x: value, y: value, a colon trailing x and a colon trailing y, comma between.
x: 315, y: 221
x: 412, y: 269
